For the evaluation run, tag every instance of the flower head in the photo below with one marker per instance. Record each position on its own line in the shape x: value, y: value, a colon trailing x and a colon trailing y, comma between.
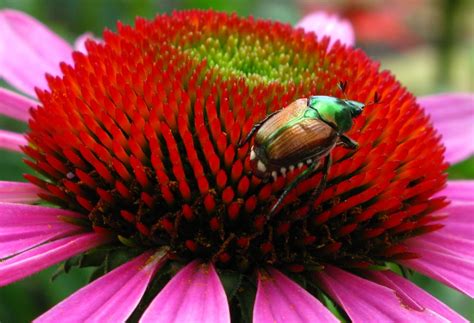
x: 137, y: 140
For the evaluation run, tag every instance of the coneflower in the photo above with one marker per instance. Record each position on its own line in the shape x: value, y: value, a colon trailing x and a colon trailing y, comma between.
x: 134, y: 148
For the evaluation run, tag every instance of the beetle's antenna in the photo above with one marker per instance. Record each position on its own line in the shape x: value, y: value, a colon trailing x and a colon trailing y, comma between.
x: 377, y: 98
x: 342, y: 85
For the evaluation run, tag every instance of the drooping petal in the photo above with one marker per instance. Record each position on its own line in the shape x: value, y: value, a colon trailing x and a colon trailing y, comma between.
x: 28, y: 50
x: 454, y: 270
x: 39, y: 258
x: 324, y: 24
x: 453, y: 116
x: 18, y: 192
x: 279, y: 299
x: 459, y: 191
x: 14, y: 105
x: 11, y: 140
x: 195, y: 294
x: 111, y: 298
x: 412, y: 294
x: 366, y: 301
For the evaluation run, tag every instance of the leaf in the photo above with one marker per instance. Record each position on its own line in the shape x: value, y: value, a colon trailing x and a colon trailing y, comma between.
x: 231, y: 281
x: 58, y: 272
x: 335, y: 309
x: 154, y: 287
x: 297, y: 278
x: 246, y: 297
x: 121, y: 256
x: 66, y: 266
x: 97, y: 273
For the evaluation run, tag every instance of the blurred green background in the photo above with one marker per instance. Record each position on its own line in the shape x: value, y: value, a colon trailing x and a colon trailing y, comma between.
x: 427, y: 44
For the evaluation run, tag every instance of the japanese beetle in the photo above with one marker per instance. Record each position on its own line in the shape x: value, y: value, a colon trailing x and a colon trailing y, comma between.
x: 305, y: 132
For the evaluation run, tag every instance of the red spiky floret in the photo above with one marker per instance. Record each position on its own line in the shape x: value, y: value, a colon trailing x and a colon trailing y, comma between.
x: 141, y: 135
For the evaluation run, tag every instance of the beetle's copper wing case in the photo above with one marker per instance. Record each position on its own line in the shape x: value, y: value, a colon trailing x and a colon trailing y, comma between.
x: 291, y: 137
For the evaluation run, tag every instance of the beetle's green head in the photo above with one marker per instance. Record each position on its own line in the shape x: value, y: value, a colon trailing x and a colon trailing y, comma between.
x: 337, y: 111
x: 355, y: 107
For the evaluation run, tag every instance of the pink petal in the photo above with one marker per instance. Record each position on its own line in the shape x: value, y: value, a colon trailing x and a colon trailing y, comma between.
x: 18, y: 192
x: 324, y: 24
x: 28, y: 50
x: 459, y: 191
x: 365, y: 301
x: 26, y: 226
x: 195, y: 294
x: 34, y: 260
x: 445, y: 242
x: 16, y: 239
x: 14, y: 105
x: 279, y: 299
x: 13, y: 214
x: 412, y: 294
x: 453, y: 116
x: 459, y: 221
x: 457, y: 235
x: 11, y: 141
x: 111, y: 298
x: 454, y: 270
x: 80, y: 43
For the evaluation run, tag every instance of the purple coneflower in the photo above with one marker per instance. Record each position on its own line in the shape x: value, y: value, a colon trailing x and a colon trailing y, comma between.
x: 134, y: 148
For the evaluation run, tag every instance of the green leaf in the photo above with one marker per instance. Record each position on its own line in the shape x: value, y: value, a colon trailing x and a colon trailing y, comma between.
x: 297, y: 278
x: 66, y: 266
x: 246, y: 297
x: 128, y: 242
x: 120, y: 256
x: 231, y: 281
x: 462, y: 170
x: 58, y: 272
x: 162, y: 277
x: 335, y: 309
x: 93, y: 259
x: 97, y: 273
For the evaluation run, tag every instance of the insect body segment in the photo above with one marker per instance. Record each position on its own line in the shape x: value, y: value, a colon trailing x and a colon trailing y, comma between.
x: 305, y: 132
x: 334, y: 111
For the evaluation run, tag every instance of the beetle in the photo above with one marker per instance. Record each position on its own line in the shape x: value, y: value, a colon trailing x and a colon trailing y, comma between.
x: 305, y: 132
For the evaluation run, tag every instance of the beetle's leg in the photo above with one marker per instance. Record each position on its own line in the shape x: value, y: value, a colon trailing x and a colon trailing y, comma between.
x: 322, y: 184
x: 348, y: 142
x: 255, y: 129
x: 307, y: 173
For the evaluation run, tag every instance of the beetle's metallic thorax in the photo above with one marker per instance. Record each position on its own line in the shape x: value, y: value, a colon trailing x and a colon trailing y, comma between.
x: 290, y: 139
x: 335, y: 111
